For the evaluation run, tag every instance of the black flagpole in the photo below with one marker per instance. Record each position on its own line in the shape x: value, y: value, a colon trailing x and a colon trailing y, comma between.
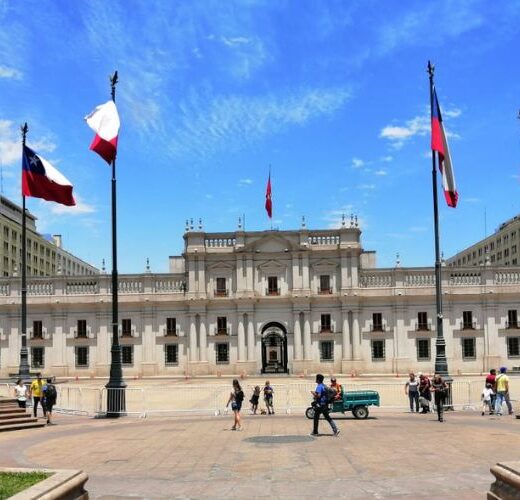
x: 116, y: 400
x: 441, y: 363
x: 23, y: 371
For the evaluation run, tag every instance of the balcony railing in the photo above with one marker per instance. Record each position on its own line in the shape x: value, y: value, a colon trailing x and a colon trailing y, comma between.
x: 272, y: 291
x: 171, y: 332
x: 128, y: 333
x: 81, y: 334
x: 469, y: 326
x: 326, y: 329
x: 325, y: 291
x: 377, y: 328
x: 222, y: 331
x: 422, y: 327
x: 221, y: 293
x: 512, y: 325
x: 37, y: 336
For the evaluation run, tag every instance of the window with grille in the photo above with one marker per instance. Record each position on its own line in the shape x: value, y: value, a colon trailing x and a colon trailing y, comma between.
x: 171, y: 326
x: 37, y: 357
x: 81, y: 356
x: 222, y: 325
x: 126, y: 325
x: 325, y: 323
x: 513, y: 347
x: 422, y: 321
x: 423, y: 350
x: 325, y: 284
x: 82, y: 328
x: 221, y: 286
x: 127, y: 354
x: 171, y: 354
x: 222, y: 352
x: 467, y: 320
x: 37, y: 329
x: 512, y: 318
x: 378, y: 350
x: 327, y: 351
x: 377, y: 322
x: 469, y: 348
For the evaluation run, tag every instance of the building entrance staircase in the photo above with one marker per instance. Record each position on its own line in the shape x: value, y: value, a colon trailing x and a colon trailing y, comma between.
x: 13, y: 418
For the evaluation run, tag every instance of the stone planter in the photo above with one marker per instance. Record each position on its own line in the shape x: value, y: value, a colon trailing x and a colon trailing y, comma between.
x: 507, y: 484
x: 64, y: 484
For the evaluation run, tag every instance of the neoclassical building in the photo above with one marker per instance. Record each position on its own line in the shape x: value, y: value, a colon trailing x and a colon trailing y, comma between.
x: 264, y: 302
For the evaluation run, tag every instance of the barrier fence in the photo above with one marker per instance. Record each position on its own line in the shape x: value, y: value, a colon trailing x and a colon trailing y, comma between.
x: 211, y: 399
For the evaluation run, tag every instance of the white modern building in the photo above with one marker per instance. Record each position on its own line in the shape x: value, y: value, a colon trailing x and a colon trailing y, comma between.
x: 268, y: 301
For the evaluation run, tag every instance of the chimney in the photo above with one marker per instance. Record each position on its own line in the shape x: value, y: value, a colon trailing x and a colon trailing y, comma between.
x: 56, y: 238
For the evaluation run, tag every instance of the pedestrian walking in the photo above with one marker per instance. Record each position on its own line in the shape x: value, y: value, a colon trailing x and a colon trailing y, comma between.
x: 491, y: 379
x: 236, y: 398
x: 439, y: 389
x: 411, y: 388
x: 36, y: 394
x: 502, y: 385
x: 486, y: 396
x: 321, y: 406
x: 425, y: 395
x: 268, y: 398
x: 50, y: 395
x: 254, y: 399
x: 20, y: 393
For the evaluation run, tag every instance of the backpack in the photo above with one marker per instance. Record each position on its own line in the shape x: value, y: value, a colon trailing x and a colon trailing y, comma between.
x: 50, y: 393
x: 239, y: 396
x: 330, y: 394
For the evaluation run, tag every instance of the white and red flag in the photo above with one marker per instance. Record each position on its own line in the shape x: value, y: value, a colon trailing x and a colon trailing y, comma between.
x: 268, y: 201
x: 104, y: 121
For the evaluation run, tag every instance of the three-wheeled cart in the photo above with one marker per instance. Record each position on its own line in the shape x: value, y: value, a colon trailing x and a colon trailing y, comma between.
x: 355, y: 401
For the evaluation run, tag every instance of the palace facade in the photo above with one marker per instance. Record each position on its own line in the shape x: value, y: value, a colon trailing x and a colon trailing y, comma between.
x: 264, y: 302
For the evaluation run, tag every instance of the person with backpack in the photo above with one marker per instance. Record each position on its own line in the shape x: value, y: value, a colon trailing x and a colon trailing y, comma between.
x: 323, y: 396
x: 236, y: 398
x: 49, y: 399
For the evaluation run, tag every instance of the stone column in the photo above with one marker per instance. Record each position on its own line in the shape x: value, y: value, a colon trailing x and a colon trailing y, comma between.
x: 305, y: 271
x: 250, y: 337
x: 241, y: 338
x: 307, y: 336
x: 193, y: 339
x: 356, y: 337
x: 250, y: 286
x: 297, y: 337
x: 346, y: 347
x: 203, y: 342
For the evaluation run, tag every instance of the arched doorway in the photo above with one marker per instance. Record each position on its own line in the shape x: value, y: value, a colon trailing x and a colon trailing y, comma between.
x: 274, y: 348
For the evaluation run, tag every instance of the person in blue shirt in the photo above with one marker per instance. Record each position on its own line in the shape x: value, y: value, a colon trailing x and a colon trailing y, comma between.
x: 321, y: 406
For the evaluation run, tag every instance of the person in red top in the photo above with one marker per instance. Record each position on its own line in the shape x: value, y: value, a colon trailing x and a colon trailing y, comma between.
x: 492, y: 379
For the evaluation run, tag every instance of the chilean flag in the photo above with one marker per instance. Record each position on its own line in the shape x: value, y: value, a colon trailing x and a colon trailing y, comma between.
x: 440, y: 144
x: 41, y: 180
x: 104, y: 121
x: 268, y: 201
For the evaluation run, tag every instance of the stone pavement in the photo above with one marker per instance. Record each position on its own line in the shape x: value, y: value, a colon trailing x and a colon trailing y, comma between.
x: 395, y: 455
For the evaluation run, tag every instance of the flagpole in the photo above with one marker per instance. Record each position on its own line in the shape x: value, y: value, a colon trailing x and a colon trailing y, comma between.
x: 271, y: 218
x: 441, y: 363
x: 116, y: 399
x: 23, y: 371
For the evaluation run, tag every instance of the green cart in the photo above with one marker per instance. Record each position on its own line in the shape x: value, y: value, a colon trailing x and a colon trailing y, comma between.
x: 355, y: 401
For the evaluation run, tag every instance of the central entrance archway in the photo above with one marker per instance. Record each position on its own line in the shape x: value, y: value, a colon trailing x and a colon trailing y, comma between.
x: 274, y: 348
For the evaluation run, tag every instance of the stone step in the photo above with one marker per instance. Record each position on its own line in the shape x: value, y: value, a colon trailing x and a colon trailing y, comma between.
x: 8, y: 401
x: 11, y: 409
x: 10, y: 416
x: 17, y: 420
x: 22, y: 425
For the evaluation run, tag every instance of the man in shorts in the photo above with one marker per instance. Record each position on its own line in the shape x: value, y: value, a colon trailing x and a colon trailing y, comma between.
x: 49, y: 399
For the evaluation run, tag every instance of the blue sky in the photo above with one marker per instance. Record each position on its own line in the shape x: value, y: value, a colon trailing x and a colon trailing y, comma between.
x: 334, y: 95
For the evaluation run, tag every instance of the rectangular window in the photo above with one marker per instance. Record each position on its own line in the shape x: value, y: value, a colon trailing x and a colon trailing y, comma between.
x: 37, y: 330
x: 81, y: 356
x: 82, y: 328
x: 272, y: 286
x: 37, y: 357
x: 377, y: 322
x: 171, y: 326
x: 469, y: 348
x: 327, y: 351
x: 126, y: 327
x: 512, y: 318
x: 171, y: 354
x: 422, y: 321
x: 467, y: 320
x: 513, y: 347
x: 325, y: 284
x: 513, y: 249
x: 127, y: 354
x: 222, y: 353
x: 221, y: 290
x: 423, y: 350
x: 222, y: 328
x: 325, y: 323
x: 378, y: 350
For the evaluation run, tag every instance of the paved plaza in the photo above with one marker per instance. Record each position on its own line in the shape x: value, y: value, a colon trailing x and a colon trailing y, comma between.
x: 392, y: 455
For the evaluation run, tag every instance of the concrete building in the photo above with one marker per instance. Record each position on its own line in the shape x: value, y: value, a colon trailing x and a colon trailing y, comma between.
x: 45, y: 256
x: 502, y: 248
x: 268, y: 301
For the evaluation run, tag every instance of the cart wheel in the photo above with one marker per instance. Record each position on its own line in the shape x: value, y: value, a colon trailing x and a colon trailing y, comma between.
x: 360, y: 412
x: 309, y: 413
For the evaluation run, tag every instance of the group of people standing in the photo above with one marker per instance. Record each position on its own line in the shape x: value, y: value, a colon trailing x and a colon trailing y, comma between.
x: 496, y: 393
x: 41, y: 393
x: 236, y: 398
x: 420, y: 390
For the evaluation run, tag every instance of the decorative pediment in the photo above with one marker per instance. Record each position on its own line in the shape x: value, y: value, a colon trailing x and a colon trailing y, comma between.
x: 272, y: 266
x: 221, y: 266
x: 324, y: 265
x: 272, y: 243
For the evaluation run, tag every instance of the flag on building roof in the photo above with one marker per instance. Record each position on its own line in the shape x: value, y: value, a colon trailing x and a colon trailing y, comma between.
x: 268, y: 201
x: 41, y: 180
x: 104, y: 121
x: 440, y: 144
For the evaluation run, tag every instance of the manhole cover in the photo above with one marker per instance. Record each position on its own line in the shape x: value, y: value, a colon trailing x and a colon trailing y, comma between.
x: 279, y: 439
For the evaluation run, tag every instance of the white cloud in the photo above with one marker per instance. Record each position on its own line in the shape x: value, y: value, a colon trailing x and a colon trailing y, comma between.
x: 418, y: 229
x: 472, y: 200
x: 357, y: 163
x: 452, y: 113
x: 386, y: 159
x: 80, y: 208
x: 335, y: 217
x: 245, y: 182
x: 6, y: 72
x: 381, y: 172
x: 366, y: 187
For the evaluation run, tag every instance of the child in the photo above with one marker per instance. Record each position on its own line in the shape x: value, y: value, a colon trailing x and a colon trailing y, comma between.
x: 254, y: 399
x: 268, y: 398
x: 487, y: 395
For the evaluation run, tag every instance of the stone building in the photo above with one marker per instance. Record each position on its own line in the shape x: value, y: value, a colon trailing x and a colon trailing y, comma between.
x: 267, y: 301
